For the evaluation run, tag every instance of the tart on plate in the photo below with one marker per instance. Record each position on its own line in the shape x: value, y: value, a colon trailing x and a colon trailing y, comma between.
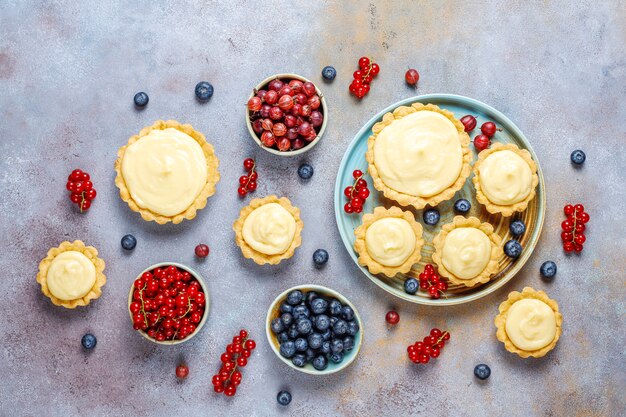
x: 268, y: 230
x: 167, y: 172
x: 389, y: 241
x: 419, y: 155
x: 529, y: 323
x: 505, y: 179
x: 71, y: 274
x: 467, y: 251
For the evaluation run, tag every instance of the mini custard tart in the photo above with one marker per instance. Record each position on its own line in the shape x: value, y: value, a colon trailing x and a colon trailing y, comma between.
x: 167, y: 172
x: 505, y: 178
x: 467, y: 251
x: 71, y: 275
x: 389, y: 241
x: 419, y: 155
x: 529, y: 323
x: 268, y: 230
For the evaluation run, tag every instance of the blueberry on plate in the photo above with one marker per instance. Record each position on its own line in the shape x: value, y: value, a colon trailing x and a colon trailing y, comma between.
x: 462, y: 206
x: 288, y: 349
x: 315, y: 340
x: 353, y: 327
x: 301, y: 344
x: 411, y: 285
x: 295, y: 297
x: 322, y: 322
x: 310, y: 296
x: 320, y: 257
x: 340, y: 327
x: 283, y: 398
x: 89, y: 341
x: 304, y: 326
x: 334, y: 307
x: 129, y: 242
x: 325, y: 347
x: 336, y: 346
x: 286, y: 307
x: 348, y: 343
x: 333, y: 320
x: 141, y: 99
x: 320, y: 363
x: 347, y: 313
x: 283, y: 337
x: 310, y: 354
x: 293, y: 332
x: 431, y: 216
x: 319, y: 306
x: 329, y: 73
x: 548, y: 270
x: 277, y: 325
x: 482, y: 371
x: 204, y: 90
x: 287, y: 319
x: 578, y: 157
x: 327, y: 335
x: 299, y: 360
x: 513, y: 249
x: 517, y: 227
x: 300, y: 311
x: 305, y: 171
x: 336, y: 357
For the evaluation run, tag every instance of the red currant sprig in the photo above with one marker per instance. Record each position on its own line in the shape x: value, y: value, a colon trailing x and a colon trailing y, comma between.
x: 367, y: 71
x: 357, y: 193
x: 235, y: 357
x: 247, y: 183
x: 431, y: 281
x: 573, y: 235
x: 429, y: 347
x: 81, y: 188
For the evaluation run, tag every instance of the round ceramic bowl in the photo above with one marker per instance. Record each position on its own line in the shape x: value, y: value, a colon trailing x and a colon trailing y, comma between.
x: 323, y: 110
x: 274, y: 312
x: 204, y: 289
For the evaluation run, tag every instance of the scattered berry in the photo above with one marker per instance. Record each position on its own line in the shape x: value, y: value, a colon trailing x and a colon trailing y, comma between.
x: 204, y: 90
x: 283, y: 398
x: 431, y: 282
x: 129, y: 242
x: 320, y: 257
x: 548, y: 270
x: 141, y: 99
x: 482, y: 371
x: 411, y: 286
x: 233, y: 359
x: 517, y: 227
x: 81, y: 188
x: 574, y: 226
x: 412, y: 77
x: 489, y: 129
x: 182, y: 371
x: 462, y: 206
x: 305, y: 171
x: 392, y: 317
x: 481, y: 142
x: 356, y: 194
x: 469, y: 122
x: 513, y: 249
x: 578, y: 157
x: 329, y: 73
x: 367, y: 71
x: 202, y: 250
x: 248, y: 183
x: 89, y: 341
x: 429, y: 347
x: 431, y: 216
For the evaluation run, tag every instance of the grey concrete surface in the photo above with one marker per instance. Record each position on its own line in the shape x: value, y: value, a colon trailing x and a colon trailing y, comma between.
x: 68, y: 72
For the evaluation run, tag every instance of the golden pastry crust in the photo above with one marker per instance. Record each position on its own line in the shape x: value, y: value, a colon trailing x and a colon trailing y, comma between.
x: 494, y: 208
x: 496, y: 250
x: 91, y: 253
x: 360, y: 246
x: 258, y: 257
x: 500, y: 322
x: 213, y: 175
x: 411, y: 200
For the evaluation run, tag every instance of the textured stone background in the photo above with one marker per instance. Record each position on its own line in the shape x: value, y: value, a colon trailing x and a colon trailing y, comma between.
x: 68, y: 72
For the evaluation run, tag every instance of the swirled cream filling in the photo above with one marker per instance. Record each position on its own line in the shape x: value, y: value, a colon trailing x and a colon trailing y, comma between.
x: 505, y: 178
x: 419, y: 154
x: 71, y: 275
x: 390, y: 241
x: 530, y: 324
x: 269, y: 229
x: 466, y: 252
x: 165, y: 171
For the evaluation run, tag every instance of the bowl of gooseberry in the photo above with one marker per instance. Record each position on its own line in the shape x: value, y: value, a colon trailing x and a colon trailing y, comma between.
x: 286, y: 114
x: 168, y: 303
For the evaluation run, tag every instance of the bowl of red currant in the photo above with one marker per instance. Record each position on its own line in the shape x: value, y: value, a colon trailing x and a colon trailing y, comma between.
x: 168, y: 303
x: 286, y: 114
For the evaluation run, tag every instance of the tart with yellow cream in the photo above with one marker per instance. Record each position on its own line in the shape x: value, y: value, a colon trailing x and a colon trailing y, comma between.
x: 419, y: 155
x: 389, y: 241
x: 529, y: 323
x: 268, y: 230
x: 71, y: 275
x: 505, y: 178
x: 467, y: 251
x: 167, y: 172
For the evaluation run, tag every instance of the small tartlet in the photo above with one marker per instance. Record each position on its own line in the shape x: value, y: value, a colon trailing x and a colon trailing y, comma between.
x: 92, y: 254
x: 360, y: 246
x: 259, y: 257
x: 411, y: 200
x: 504, y: 210
x: 495, y: 253
x: 213, y: 175
x: 500, y: 321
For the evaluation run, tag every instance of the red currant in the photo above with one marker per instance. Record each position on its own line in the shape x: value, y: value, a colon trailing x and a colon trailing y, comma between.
x: 364, y: 63
x: 489, y: 129
x: 182, y: 371
x: 202, y: 250
x: 568, y: 210
x: 242, y: 191
x: 392, y: 317
x: 248, y: 164
x: 412, y: 76
x: 481, y: 142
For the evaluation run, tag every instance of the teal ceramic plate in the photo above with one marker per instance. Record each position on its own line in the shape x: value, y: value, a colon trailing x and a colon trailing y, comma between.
x: 354, y: 158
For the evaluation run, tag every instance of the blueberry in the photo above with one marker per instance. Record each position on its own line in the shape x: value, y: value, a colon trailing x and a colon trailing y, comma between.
x: 310, y: 296
x: 129, y: 242
x: 482, y: 371
x: 327, y: 335
x: 329, y: 73
x: 310, y: 354
x: 462, y: 206
x: 334, y: 307
x: 333, y: 320
x: 315, y: 340
x: 548, y: 270
x: 411, y: 286
x: 513, y: 248
x: 204, y: 90
x: 293, y: 332
x: 288, y: 349
x: 336, y: 357
x: 348, y: 343
x: 141, y: 99
x: 301, y: 312
x: 299, y: 360
x: 304, y: 326
x: 322, y: 322
x: 89, y: 341
x: 295, y: 297
x: 305, y: 171
x: 336, y: 346
x: 517, y: 228
x: 287, y: 319
x: 353, y: 327
x: 578, y: 157
x: 319, y: 306
x: 283, y: 337
x: 286, y: 307
x: 340, y: 328
x: 320, y: 257
x: 431, y: 217
x: 326, y: 347
x: 301, y: 344
x: 347, y: 313
x: 277, y: 326
x: 283, y: 398
x: 320, y: 363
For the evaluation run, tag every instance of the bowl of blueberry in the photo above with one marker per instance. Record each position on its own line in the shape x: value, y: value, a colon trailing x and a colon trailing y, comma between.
x: 286, y: 114
x: 314, y: 329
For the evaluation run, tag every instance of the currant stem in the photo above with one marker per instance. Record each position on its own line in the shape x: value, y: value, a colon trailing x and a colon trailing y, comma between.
x: 354, y: 186
x: 250, y: 175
